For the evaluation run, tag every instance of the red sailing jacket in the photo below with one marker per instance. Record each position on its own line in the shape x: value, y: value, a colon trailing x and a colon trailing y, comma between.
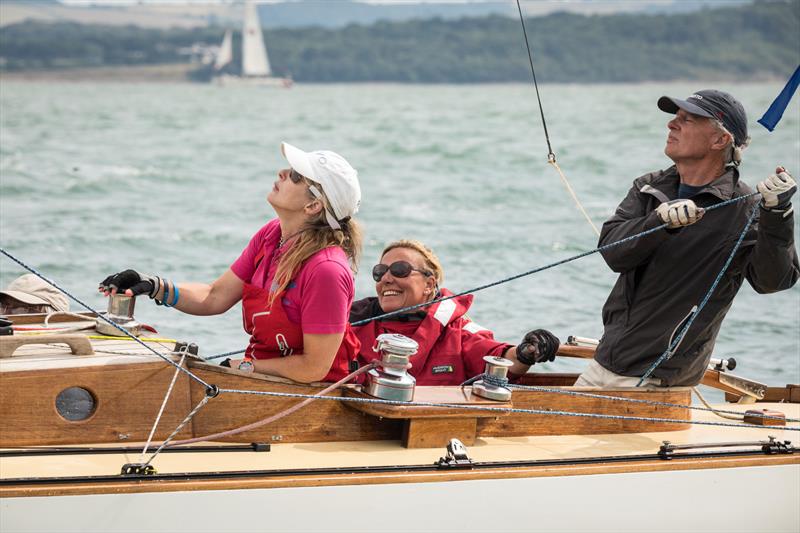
x: 272, y: 334
x: 451, y: 346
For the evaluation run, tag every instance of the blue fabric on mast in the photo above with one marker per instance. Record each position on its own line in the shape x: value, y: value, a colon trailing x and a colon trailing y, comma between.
x: 775, y: 111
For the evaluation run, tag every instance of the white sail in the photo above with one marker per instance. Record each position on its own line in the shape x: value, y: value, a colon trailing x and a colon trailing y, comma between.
x: 225, y: 54
x: 254, y: 53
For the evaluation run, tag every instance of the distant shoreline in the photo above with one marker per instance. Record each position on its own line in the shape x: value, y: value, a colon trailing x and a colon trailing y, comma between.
x: 179, y: 73
x: 168, y: 73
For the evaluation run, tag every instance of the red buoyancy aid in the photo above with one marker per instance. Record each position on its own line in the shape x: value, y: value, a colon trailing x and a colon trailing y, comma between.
x: 451, y: 346
x: 272, y: 334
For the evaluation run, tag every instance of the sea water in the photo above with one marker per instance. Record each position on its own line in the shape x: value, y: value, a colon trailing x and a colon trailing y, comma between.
x: 172, y: 180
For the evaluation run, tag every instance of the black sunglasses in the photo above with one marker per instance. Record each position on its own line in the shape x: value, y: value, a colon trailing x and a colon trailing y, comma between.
x: 398, y: 269
x: 295, y: 176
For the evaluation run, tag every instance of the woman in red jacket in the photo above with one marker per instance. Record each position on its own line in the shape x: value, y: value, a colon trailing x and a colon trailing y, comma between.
x: 451, y: 346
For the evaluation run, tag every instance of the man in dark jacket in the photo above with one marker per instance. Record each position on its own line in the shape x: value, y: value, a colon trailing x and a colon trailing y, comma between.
x: 665, y: 274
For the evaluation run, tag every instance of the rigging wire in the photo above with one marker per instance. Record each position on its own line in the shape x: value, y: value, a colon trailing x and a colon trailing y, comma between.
x: 103, y: 317
x: 515, y: 276
x: 286, y: 412
x: 185, y: 351
x: 542, y: 268
x: 551, y: 156
x: 186, y: 420
x: 647, y: 402
x: 502, y: 409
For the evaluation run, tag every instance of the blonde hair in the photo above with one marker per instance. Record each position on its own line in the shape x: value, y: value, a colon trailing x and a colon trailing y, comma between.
x: 315, y: 235
x: 431, y: 261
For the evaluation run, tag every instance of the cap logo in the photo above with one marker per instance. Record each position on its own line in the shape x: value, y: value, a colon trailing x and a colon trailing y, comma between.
x: 696, y: 96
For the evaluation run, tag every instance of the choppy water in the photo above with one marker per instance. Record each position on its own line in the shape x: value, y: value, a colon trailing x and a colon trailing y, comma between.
x: 172, y: 179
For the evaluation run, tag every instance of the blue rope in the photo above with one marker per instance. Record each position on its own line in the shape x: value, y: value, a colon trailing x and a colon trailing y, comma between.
x: 495, y: 381
x: 489, y: 379
x: 220, y: 356
x: 546, y: 267
x: 676, y: 342
x: 517, y: 276
x: 471, y: 380
x: 101, y: 316
x: 501, y: 409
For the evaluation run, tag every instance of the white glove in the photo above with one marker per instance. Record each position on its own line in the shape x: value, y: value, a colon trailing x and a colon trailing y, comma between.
x: 679, y: 213
x: 777, y: 190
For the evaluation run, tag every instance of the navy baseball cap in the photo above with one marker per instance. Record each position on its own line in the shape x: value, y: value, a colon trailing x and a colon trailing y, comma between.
x: 714, y: 104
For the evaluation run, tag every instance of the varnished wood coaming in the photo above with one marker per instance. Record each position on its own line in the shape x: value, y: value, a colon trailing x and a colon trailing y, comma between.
x: 130, y: 390
x: 128, y: 398
x: 321, y: 421
x: 327, y: 420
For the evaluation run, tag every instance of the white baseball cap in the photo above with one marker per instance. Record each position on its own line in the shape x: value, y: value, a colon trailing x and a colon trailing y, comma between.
x: 339, y: 180
x: 33, y: 290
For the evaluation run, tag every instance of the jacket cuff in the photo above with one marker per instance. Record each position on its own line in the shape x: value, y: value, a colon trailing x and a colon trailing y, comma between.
x: 775, y: 217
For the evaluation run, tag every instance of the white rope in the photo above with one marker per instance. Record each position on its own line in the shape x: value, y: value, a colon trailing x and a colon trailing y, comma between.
x: 164, y: 403
x: 83, y: 318
x: 552, y: 161
x: 199, y: 406
x: 718, y: 413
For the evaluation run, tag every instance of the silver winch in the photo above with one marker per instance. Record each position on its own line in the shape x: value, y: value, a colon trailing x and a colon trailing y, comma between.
x: 391, y: 380
x: 120, y: 311
x: 493, y: 384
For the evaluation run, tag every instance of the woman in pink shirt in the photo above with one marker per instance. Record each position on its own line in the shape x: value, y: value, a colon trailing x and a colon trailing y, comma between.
x: 295, y: 277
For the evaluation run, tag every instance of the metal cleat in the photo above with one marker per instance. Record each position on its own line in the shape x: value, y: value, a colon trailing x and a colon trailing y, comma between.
x: 456, y: 456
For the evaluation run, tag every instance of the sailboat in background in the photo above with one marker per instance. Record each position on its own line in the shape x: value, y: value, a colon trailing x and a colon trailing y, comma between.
x: 255, y: 63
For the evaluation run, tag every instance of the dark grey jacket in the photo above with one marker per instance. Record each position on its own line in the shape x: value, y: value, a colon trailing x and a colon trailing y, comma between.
x: 664, y: 274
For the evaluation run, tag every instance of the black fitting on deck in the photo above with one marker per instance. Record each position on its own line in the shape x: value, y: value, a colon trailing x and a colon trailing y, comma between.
x: 138, y: 469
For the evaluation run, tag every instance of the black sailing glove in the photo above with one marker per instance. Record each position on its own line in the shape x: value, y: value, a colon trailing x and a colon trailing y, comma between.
x: 137, y: 282
x: 538, y: 346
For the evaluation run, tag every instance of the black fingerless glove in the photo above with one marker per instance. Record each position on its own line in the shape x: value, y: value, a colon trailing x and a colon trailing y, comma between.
x: 538, y: 346
x: 137, y: 282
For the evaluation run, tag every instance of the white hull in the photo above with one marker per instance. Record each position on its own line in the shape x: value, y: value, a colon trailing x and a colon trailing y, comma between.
x: 256, y: 81
x: 727, y: 499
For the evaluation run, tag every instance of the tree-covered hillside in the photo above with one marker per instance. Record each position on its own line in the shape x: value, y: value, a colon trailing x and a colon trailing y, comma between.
x: 748, y: 42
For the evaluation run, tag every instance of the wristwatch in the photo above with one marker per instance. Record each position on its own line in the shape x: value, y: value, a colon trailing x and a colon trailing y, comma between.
x: 246, y: 365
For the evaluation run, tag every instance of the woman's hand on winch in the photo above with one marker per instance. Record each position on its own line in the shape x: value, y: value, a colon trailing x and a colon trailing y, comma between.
x: 537, y: 346
x: 131, y: 283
